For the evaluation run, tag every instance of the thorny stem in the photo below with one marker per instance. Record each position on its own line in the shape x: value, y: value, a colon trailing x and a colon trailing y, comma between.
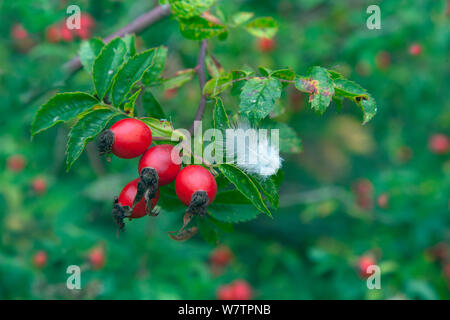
x: 202, y: 80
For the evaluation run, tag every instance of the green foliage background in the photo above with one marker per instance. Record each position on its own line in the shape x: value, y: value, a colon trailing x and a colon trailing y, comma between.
x: 310, y: 247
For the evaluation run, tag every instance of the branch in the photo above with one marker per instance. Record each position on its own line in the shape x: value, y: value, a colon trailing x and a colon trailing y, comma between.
x: 202, y: 80
x: 139, y: 24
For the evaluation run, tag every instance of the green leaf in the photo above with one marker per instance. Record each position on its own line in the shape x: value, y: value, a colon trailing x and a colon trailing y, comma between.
x: 284, y: 74
x: 245, y: 185
x: 130, y: 74
x: 161, y: 128
x: 151, y: 106
x: 268, y: 188
x: 368, y: 106
x: 348, y: 89
x: 352, y: 90
x: 159, y: 60
x: 241, y: 18
x: 189, y: 8
x: 208, y: 230
x: 215, y: 86
x: 232, y: 207
x: 265, y: 27
x: 220, y: 117
x: 130, y: 41
x: 60, y: 108
x: 85, y: 130
x: 107, y: 64
x: 198, y: 28
x: 180, y: 78
x: 239, y: 79
x: 131, y: 103
x: 89, y: 50
x: 323, y: 89
x: 289, y: 140
x: 335, y: 75
x: 220, y: 122
x: 258, y: 97
x: 304, y: 84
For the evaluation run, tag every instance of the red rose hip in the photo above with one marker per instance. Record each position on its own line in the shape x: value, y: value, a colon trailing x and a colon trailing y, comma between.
x: 439, y: 144
x: 127, y: 138
x: 266, y: 44
x: 40, y: 259
x: 164, y: 159
x: 127, y: 196
x: 195, y: 187
x: 415, y: 49
x: 363, y: 264
x: 97, y: 258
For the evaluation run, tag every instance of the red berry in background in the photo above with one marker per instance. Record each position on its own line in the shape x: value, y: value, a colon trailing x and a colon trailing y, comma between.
x: 86, y: 21
x: 363, y: 190
x: 363, y: 263
x: 164, y: 160
x: 439, y: 144
x: 195, y: 178
x: 53, y: 34
x: 127, y: 138
x: 40, y: 259
x: 383, y: 60
x: 97, y: 257
x: 127, y: 196
x: 383, y: 200
x: 83, y: 33
x: 170, y: 93
x: 39, y: 185
x: 221, y: 256
x: 415, y: 49
x: 18, y: 32
x: 22, y: 42
x: 66, y: 34
x: 237, y: 290
x: 225, y: 293
x: 86, y: 24
x: 242, y: 290
x: 16, y: 163
x: 266, y: 44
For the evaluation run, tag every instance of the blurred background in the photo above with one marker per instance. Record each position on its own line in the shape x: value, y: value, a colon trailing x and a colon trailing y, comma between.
x: 356, y: 195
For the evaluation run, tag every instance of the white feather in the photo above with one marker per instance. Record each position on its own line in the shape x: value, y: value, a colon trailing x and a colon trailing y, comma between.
x: 258, y: 156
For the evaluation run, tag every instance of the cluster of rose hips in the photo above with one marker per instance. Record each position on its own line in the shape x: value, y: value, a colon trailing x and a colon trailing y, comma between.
x: 159, y: 165
x: 59, y: 31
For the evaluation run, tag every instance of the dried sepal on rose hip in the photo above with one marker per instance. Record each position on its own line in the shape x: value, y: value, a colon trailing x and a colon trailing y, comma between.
x: 127, y: 139
x: 158, y: 166
x: 123, y: 206
x: 196, y: 187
